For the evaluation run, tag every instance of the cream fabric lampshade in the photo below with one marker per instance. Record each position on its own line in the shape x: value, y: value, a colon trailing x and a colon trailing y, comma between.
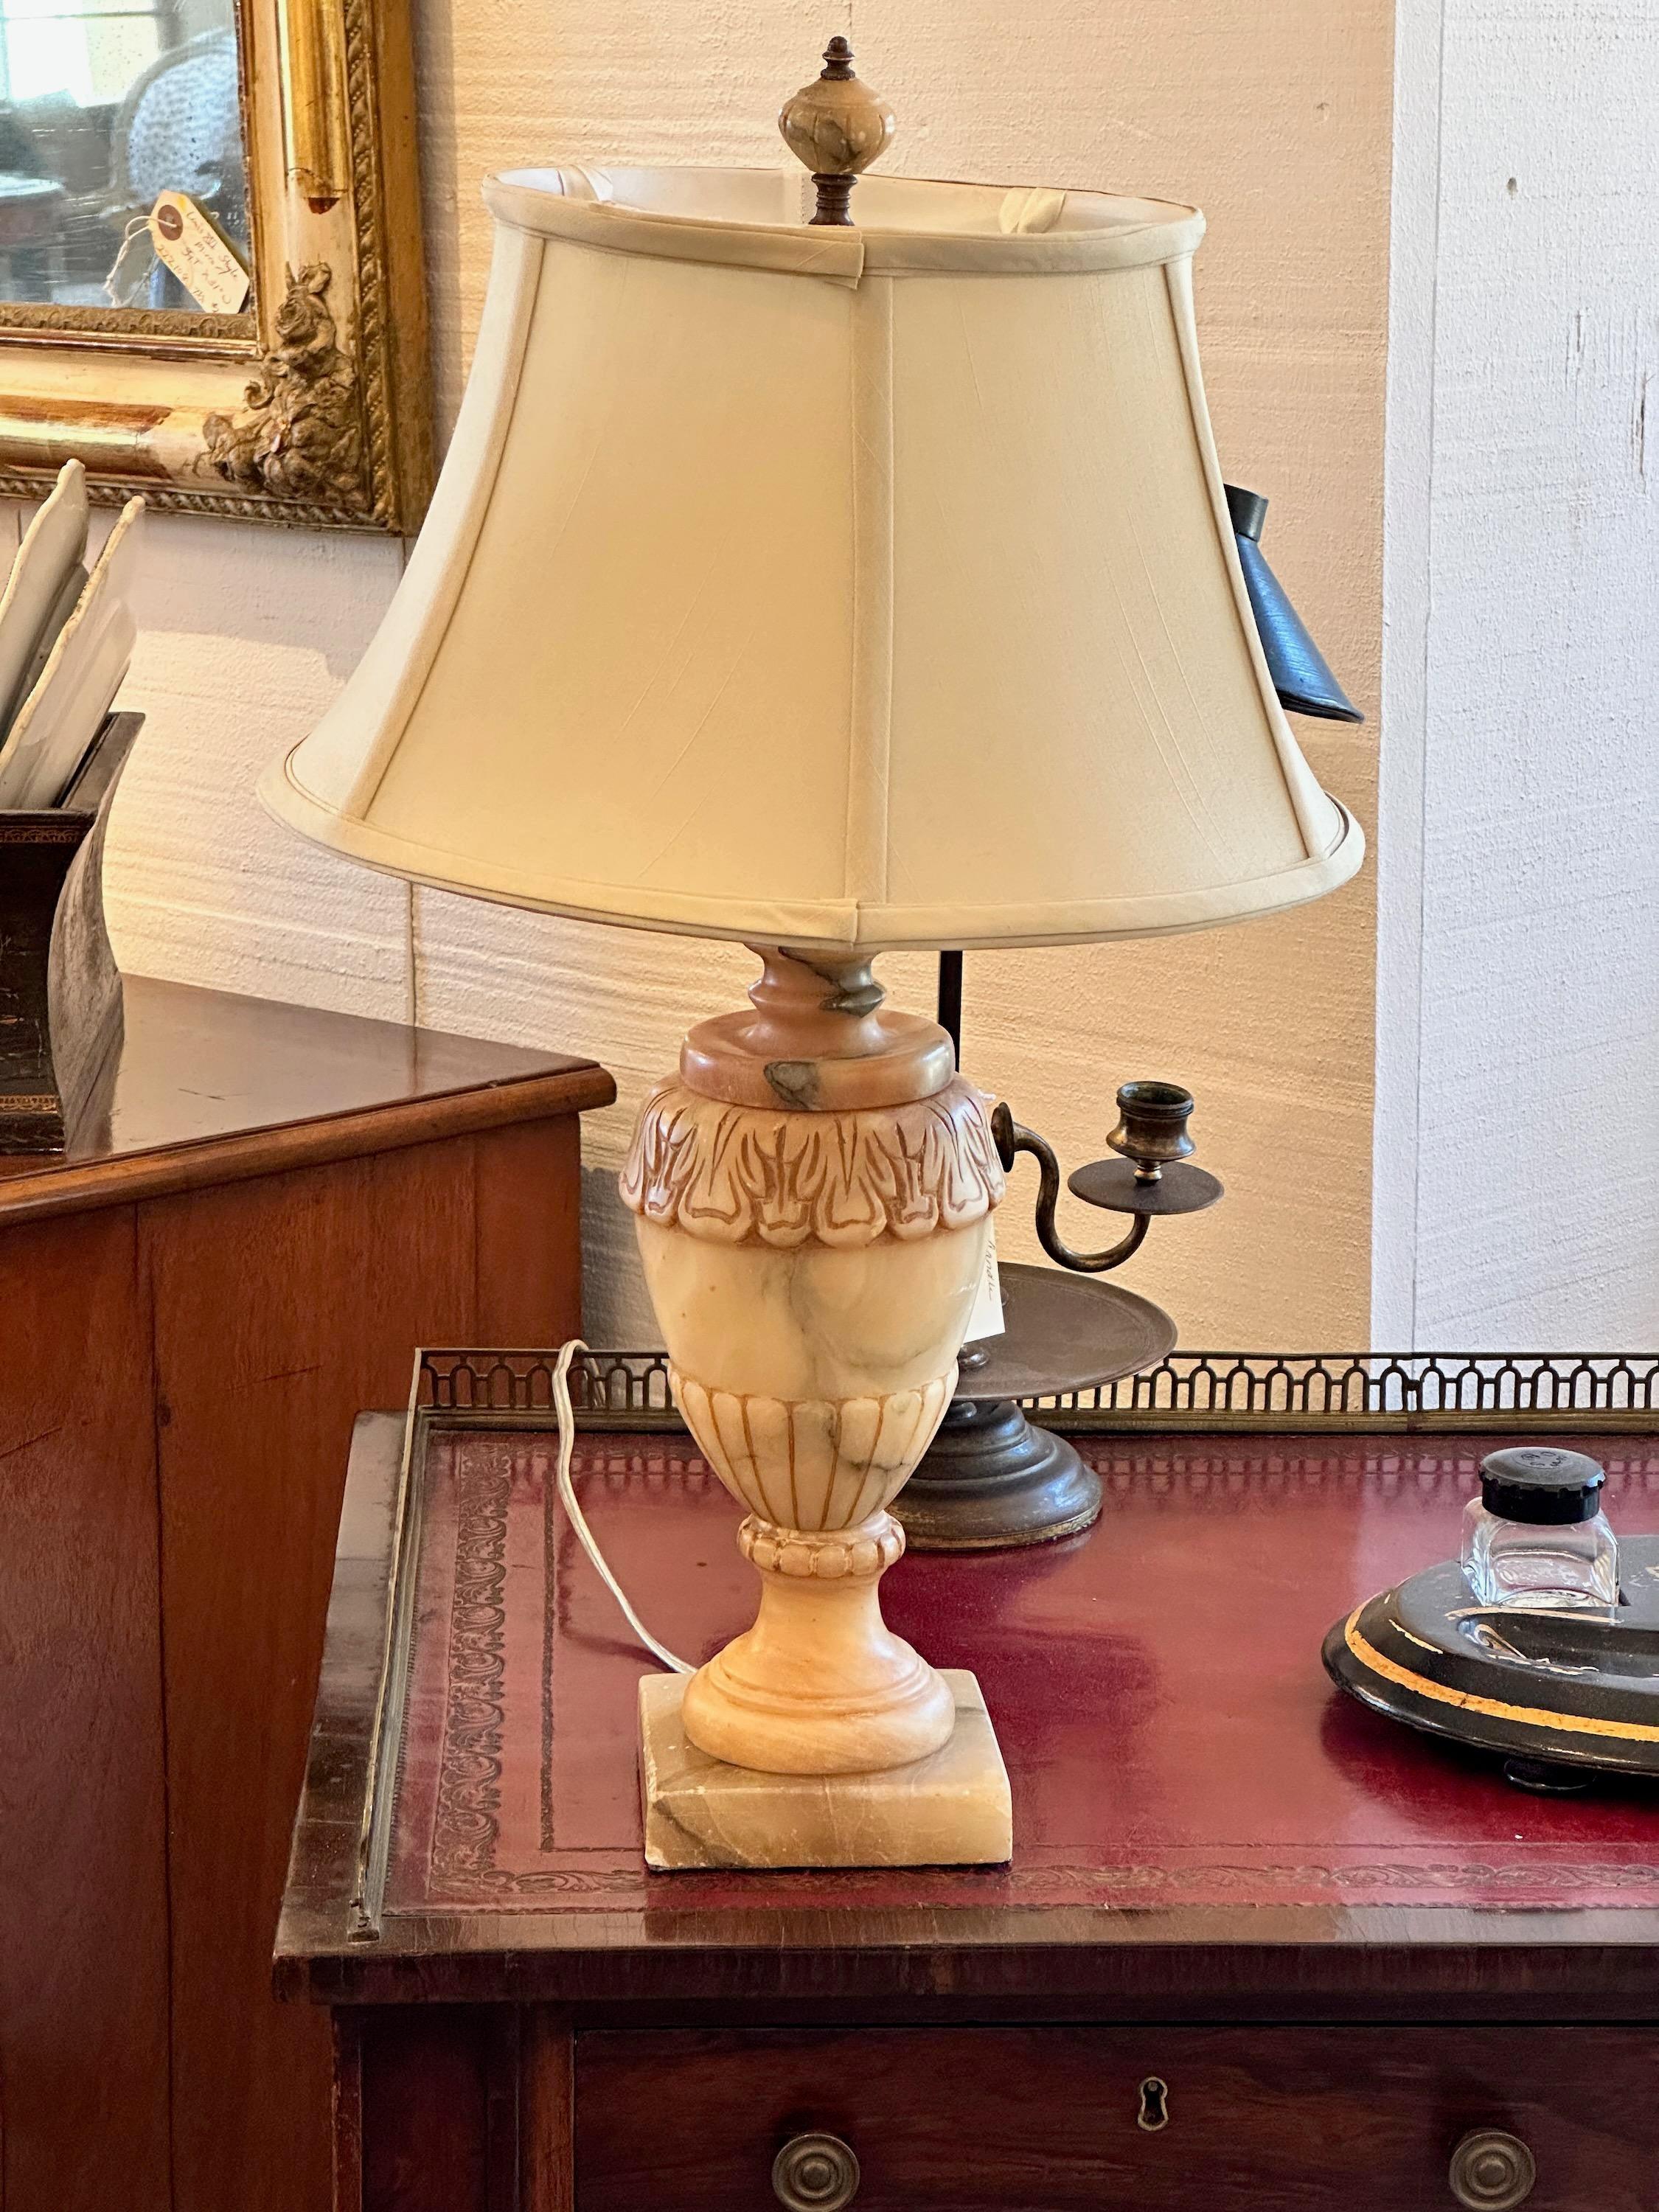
x: 865, y: 588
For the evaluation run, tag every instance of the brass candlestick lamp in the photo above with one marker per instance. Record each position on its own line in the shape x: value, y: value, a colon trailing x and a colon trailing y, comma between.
x: 991, y: 1478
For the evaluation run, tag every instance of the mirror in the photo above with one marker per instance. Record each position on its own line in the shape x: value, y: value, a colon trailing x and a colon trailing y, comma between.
x: 211, y: 281
x: 104, y: 105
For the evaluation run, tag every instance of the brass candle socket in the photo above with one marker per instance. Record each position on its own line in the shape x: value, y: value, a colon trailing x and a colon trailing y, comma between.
x: 1152, y: 1129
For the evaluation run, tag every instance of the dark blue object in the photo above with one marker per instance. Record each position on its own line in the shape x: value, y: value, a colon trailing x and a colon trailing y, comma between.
x: 1301, y: 678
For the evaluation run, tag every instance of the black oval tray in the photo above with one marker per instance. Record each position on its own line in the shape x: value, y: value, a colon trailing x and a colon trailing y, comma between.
x: 1546, y: 1689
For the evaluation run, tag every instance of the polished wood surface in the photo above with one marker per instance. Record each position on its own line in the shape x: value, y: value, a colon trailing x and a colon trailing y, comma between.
x: 439, y: 2103
x: 547, y: 2102
x: 189, y: 1351
x: 211, y: 1087
x: 83, y: 1888
x: 1049, y: 2119
x: 1198, y: 1817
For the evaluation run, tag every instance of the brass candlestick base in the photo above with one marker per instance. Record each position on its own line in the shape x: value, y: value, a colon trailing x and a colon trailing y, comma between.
x: 992, y: 1479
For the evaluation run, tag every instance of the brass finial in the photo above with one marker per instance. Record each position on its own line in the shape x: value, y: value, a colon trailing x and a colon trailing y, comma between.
x: 837, y: 127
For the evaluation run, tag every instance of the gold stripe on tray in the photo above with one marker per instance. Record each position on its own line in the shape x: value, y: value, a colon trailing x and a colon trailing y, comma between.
x: 1468, y: 1701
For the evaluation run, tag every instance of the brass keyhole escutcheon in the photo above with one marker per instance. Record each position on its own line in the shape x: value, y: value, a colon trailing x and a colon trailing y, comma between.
x: 1154, y: 2111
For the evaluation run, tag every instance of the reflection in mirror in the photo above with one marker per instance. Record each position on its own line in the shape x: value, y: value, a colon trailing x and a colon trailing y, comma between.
x: 105, y: 105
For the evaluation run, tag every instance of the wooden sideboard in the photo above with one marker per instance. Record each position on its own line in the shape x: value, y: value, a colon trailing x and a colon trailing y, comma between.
x: 1258, y: 1948
x: 279, y: 1207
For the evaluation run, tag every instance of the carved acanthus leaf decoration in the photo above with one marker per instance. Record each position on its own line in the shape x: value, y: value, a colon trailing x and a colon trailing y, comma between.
x: 301, y: 432
x: 729, y: 1173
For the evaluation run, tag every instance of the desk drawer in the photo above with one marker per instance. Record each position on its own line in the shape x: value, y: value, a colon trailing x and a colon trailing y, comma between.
x: 1163, y: 2120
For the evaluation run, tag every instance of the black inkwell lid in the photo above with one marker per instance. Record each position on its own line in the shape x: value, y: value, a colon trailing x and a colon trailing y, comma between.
x: 1537, y: 1484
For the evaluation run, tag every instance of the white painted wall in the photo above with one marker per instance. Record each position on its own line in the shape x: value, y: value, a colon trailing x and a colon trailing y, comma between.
x: 1275, y: 119
x: 1517, y: 1173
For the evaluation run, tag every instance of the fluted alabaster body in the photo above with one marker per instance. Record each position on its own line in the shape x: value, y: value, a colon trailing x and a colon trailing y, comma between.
x: 813, y: 1269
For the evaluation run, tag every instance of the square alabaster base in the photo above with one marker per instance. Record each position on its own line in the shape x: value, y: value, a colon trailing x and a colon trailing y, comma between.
x: 952, y: 1809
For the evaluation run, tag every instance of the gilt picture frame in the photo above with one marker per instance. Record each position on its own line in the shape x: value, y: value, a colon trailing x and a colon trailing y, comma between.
x: 310, y: 407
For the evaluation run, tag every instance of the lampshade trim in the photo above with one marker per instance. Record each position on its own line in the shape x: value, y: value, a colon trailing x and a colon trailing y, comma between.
x: 840, y: 256
x: 821, y: 924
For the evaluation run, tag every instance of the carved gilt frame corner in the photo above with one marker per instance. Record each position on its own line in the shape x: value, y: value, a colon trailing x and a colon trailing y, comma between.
x: 313, y: 410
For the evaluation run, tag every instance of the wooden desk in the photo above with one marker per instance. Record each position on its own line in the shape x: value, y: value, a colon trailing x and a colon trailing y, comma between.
x: 282, y: 1205
x: 1318, y: 1949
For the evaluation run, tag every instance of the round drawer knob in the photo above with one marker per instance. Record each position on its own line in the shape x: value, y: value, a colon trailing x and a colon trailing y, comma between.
x: 816, y: 2173
x: 1491, y: 2171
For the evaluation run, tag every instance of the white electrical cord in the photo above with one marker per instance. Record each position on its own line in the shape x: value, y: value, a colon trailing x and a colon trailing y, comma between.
x: 561, y: 1406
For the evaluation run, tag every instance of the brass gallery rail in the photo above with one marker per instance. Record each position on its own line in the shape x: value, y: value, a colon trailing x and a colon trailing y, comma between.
x: 1190, y: 1391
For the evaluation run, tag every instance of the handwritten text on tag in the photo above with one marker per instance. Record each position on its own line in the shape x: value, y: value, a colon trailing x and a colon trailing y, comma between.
x: 985, y: 1319
x: 198, y: 253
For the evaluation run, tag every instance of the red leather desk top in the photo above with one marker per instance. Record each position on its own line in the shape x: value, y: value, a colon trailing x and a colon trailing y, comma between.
x: 1171, y: 1737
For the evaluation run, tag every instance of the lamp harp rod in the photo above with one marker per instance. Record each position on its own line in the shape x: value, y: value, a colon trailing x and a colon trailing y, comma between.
x: 950, y: 1000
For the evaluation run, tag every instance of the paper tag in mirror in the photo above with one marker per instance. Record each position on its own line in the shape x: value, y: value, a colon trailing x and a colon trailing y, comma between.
x: 985, y: 1319
x: 191, y: 245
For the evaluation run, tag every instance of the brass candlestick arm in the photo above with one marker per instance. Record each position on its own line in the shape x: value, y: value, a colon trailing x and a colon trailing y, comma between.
x: 1154, y: 1175
x: 1012, y: 1139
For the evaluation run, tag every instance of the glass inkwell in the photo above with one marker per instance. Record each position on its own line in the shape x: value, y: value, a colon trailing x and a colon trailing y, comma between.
x: 1536, y: 1538
x: 1539, y: 1645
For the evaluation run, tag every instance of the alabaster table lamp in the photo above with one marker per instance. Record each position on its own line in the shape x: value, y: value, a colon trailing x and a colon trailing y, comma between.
x: 830, y: 587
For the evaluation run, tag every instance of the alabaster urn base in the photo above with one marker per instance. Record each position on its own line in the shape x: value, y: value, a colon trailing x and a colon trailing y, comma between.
x: 813, y: 1196
x: 953, y: 1809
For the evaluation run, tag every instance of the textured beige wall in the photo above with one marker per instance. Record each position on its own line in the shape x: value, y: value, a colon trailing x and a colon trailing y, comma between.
x: 1276, y: 119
